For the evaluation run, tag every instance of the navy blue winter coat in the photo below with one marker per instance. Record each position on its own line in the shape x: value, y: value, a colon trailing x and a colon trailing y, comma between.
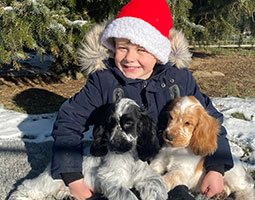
x: 106, y: 83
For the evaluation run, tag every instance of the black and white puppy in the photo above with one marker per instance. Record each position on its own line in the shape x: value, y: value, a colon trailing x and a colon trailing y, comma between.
x: 128, y: 136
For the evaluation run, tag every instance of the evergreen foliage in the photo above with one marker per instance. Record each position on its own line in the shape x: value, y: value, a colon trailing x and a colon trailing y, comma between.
x: 222, y: 20
x: 57, y: 27
x: 42, y: 26
x: 104, y: 9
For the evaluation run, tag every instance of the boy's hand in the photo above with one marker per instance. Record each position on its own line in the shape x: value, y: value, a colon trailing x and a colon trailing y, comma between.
x: 212, y: 184
x: 80, y: 190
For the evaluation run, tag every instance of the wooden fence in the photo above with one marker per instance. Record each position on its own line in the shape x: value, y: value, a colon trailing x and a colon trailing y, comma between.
x: 245, y: 42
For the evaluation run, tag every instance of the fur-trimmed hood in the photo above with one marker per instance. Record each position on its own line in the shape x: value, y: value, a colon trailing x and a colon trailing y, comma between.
x: 92, y: 52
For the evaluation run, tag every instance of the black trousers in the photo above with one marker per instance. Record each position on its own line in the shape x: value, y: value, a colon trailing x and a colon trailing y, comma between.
x: 180, y: 192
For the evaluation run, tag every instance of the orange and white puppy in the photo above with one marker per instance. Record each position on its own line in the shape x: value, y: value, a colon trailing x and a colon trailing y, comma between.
x: 190, y: 135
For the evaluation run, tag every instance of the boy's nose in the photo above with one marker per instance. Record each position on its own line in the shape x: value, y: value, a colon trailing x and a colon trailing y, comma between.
x: 130, y: 57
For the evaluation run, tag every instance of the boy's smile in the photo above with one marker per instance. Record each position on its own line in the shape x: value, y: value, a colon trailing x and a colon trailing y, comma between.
x: 130, y: 68
x: 133, y: 60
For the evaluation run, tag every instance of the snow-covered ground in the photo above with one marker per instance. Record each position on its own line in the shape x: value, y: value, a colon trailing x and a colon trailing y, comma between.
x: 26, y: 142
x: 241, y: 133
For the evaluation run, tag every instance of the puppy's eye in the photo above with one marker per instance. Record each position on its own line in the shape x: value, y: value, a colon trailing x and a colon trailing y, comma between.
x: 187, y: 123
x: 128, y: 124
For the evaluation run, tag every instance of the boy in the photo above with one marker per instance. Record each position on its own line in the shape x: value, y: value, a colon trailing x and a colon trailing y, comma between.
x: 139, y: 40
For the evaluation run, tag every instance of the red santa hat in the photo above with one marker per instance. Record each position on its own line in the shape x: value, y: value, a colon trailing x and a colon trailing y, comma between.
x: 144, y: 22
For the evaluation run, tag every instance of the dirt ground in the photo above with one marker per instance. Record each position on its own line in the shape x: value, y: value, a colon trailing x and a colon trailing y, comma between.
x: 225, y: 75
x: 217, y: 76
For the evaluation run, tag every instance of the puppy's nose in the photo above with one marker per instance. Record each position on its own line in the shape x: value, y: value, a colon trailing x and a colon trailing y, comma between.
x: 169, y: 137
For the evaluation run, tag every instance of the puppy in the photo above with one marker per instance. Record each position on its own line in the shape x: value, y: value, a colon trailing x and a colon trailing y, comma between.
x: 127, y: 135
x: 191, y: 134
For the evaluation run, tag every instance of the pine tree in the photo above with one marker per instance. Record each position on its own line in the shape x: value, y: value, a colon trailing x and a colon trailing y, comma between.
x: 181, y: 16
x: 49, y: 27
x: 213, y: 21
x: 58, y: 27
x: 222, y: 19
x: 100, y: 10
x: 45, y: 27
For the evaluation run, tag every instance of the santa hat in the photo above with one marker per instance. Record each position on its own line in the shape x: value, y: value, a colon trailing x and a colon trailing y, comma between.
x: 144, y: 22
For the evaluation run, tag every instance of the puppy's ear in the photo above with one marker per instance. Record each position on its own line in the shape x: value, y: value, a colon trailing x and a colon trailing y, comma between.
x: 99, y: 143
x: 147, y: 143
x: 204, y: 138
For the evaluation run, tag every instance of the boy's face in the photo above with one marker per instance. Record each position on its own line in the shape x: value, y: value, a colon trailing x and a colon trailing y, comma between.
x: 132, y: 60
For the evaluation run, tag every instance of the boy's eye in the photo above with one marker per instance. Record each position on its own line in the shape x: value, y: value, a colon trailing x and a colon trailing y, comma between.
x: 141, y: 50
x: 121, y: 48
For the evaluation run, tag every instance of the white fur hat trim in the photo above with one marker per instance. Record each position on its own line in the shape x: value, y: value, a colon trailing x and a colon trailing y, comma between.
x: 138, y: 32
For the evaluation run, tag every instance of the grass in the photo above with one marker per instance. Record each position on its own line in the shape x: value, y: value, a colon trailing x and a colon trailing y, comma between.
x: 237, y: 65
x: 239, y: 115
x: 36, y: 96
x: 235, y: 89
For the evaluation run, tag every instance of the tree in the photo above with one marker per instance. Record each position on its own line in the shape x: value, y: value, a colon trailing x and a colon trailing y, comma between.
x: 222, y: 19
x: 211, y: 21
x: 49, y: 27
x: 45, y: 27
x: 100, y: 10
x: 181, y: 16
x: 58, y: 27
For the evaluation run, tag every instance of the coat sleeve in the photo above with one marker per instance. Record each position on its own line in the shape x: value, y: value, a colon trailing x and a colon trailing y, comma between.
x: 70, y: 124
x: 222, y: 156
